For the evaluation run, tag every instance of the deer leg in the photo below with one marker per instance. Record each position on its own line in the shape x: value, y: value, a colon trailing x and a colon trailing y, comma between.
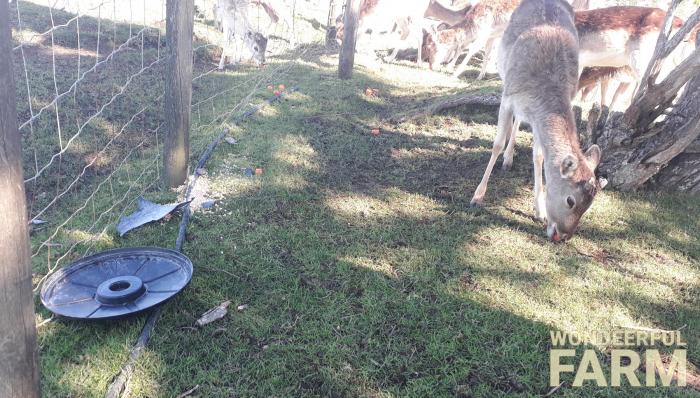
x: 505, y: 125
x: 485, y: 61
x: 473, y: 49
x: 510, y: 149
x: 603, y: 92
x: 587, y: 92
x: 222, y: 61
x: 225, y: 44
x: 401, y: 29
x: 621, y: 90
x: 453, y: 63
x: 393, y: 55
x: 540, y: 195
x: 419, y: 60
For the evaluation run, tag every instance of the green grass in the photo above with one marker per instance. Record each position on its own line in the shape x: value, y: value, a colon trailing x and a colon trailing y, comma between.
x: 364, y: 270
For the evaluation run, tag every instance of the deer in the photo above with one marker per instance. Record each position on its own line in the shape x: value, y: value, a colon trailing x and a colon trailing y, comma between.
x: 538, y: 62
x: 618, y: 37
x: 238, y: 33
x: 278, y: 13
x: 447, y: 16
x: 374, y: 16
x: 481, y: 28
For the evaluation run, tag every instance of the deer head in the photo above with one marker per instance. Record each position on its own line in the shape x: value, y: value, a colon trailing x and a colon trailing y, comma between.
x: 571, y: 187
x: 257, y: 44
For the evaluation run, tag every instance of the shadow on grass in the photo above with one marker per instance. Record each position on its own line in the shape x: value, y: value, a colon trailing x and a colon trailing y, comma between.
x: 363, y: 269
x: 360, y: 280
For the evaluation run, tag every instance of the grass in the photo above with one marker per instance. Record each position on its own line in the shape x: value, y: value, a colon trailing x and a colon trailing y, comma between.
x: 364, y: 270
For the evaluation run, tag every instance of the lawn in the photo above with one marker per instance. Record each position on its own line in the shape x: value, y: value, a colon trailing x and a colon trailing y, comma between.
x: 363, y: 269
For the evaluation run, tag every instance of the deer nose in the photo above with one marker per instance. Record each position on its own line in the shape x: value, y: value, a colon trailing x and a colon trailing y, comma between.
x: 554, y: 235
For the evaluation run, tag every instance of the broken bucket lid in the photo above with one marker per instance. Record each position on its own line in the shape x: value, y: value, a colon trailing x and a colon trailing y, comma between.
x: 116, y: 283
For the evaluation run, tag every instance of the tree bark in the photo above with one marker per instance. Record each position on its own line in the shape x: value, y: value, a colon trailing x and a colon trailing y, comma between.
x: 19, y: 369
x: 641, y: 147
x: 178, y: 91
x: 347, y: 51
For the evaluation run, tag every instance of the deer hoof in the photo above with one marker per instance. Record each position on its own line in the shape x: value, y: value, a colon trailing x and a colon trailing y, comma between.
x: 507, y: 166
x: 476, y: 203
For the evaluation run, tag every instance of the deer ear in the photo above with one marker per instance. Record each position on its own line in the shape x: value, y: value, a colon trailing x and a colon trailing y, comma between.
x: 593, y: 155
x: 568, y: 166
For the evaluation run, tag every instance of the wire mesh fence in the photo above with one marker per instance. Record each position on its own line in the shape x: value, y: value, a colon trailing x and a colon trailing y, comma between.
x: 89, y: 114
x: 90, y: 82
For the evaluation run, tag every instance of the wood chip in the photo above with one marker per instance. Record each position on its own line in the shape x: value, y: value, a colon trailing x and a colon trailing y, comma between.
x: 214, y: 314
x: 188, y: 392
x: 555, y: 389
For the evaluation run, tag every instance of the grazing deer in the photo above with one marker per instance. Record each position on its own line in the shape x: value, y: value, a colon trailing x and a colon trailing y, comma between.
x: 238, y: 33
x: 278, y: 13
x: 619, y: 37
x: 539, y: 66
x: 481, y: 28
x: 446, y: 18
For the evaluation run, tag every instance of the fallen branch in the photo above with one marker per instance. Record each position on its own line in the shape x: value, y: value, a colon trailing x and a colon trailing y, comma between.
x: 115, y: 389
x: 483, y: 99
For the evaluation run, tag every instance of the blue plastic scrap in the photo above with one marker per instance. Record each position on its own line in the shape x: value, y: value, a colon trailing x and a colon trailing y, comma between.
x: 208, y: 204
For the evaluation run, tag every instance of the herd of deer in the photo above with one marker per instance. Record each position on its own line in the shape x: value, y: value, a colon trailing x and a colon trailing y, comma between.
x: 547, y: 53
x: 616, y: 43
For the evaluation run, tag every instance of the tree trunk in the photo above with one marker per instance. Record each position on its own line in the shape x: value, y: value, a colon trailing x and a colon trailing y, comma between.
x: 633, y: 155
x: 640, y: 147
x: 19, y: 369
x: 178, y: 91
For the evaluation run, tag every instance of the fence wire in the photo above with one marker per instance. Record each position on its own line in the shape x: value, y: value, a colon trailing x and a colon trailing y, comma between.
x: 90, y: 82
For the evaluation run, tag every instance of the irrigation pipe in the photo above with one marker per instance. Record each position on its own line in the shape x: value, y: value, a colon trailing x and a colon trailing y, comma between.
x: 121, y: 380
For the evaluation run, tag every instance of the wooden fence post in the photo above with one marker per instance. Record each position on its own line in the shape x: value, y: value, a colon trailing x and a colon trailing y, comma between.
x: 347, y: 51
x: 178, y: 91
x: 19, y: 369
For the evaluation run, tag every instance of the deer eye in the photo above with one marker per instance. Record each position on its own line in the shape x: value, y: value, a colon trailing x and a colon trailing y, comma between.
x: 570, y: 201
x: 256, y: 48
